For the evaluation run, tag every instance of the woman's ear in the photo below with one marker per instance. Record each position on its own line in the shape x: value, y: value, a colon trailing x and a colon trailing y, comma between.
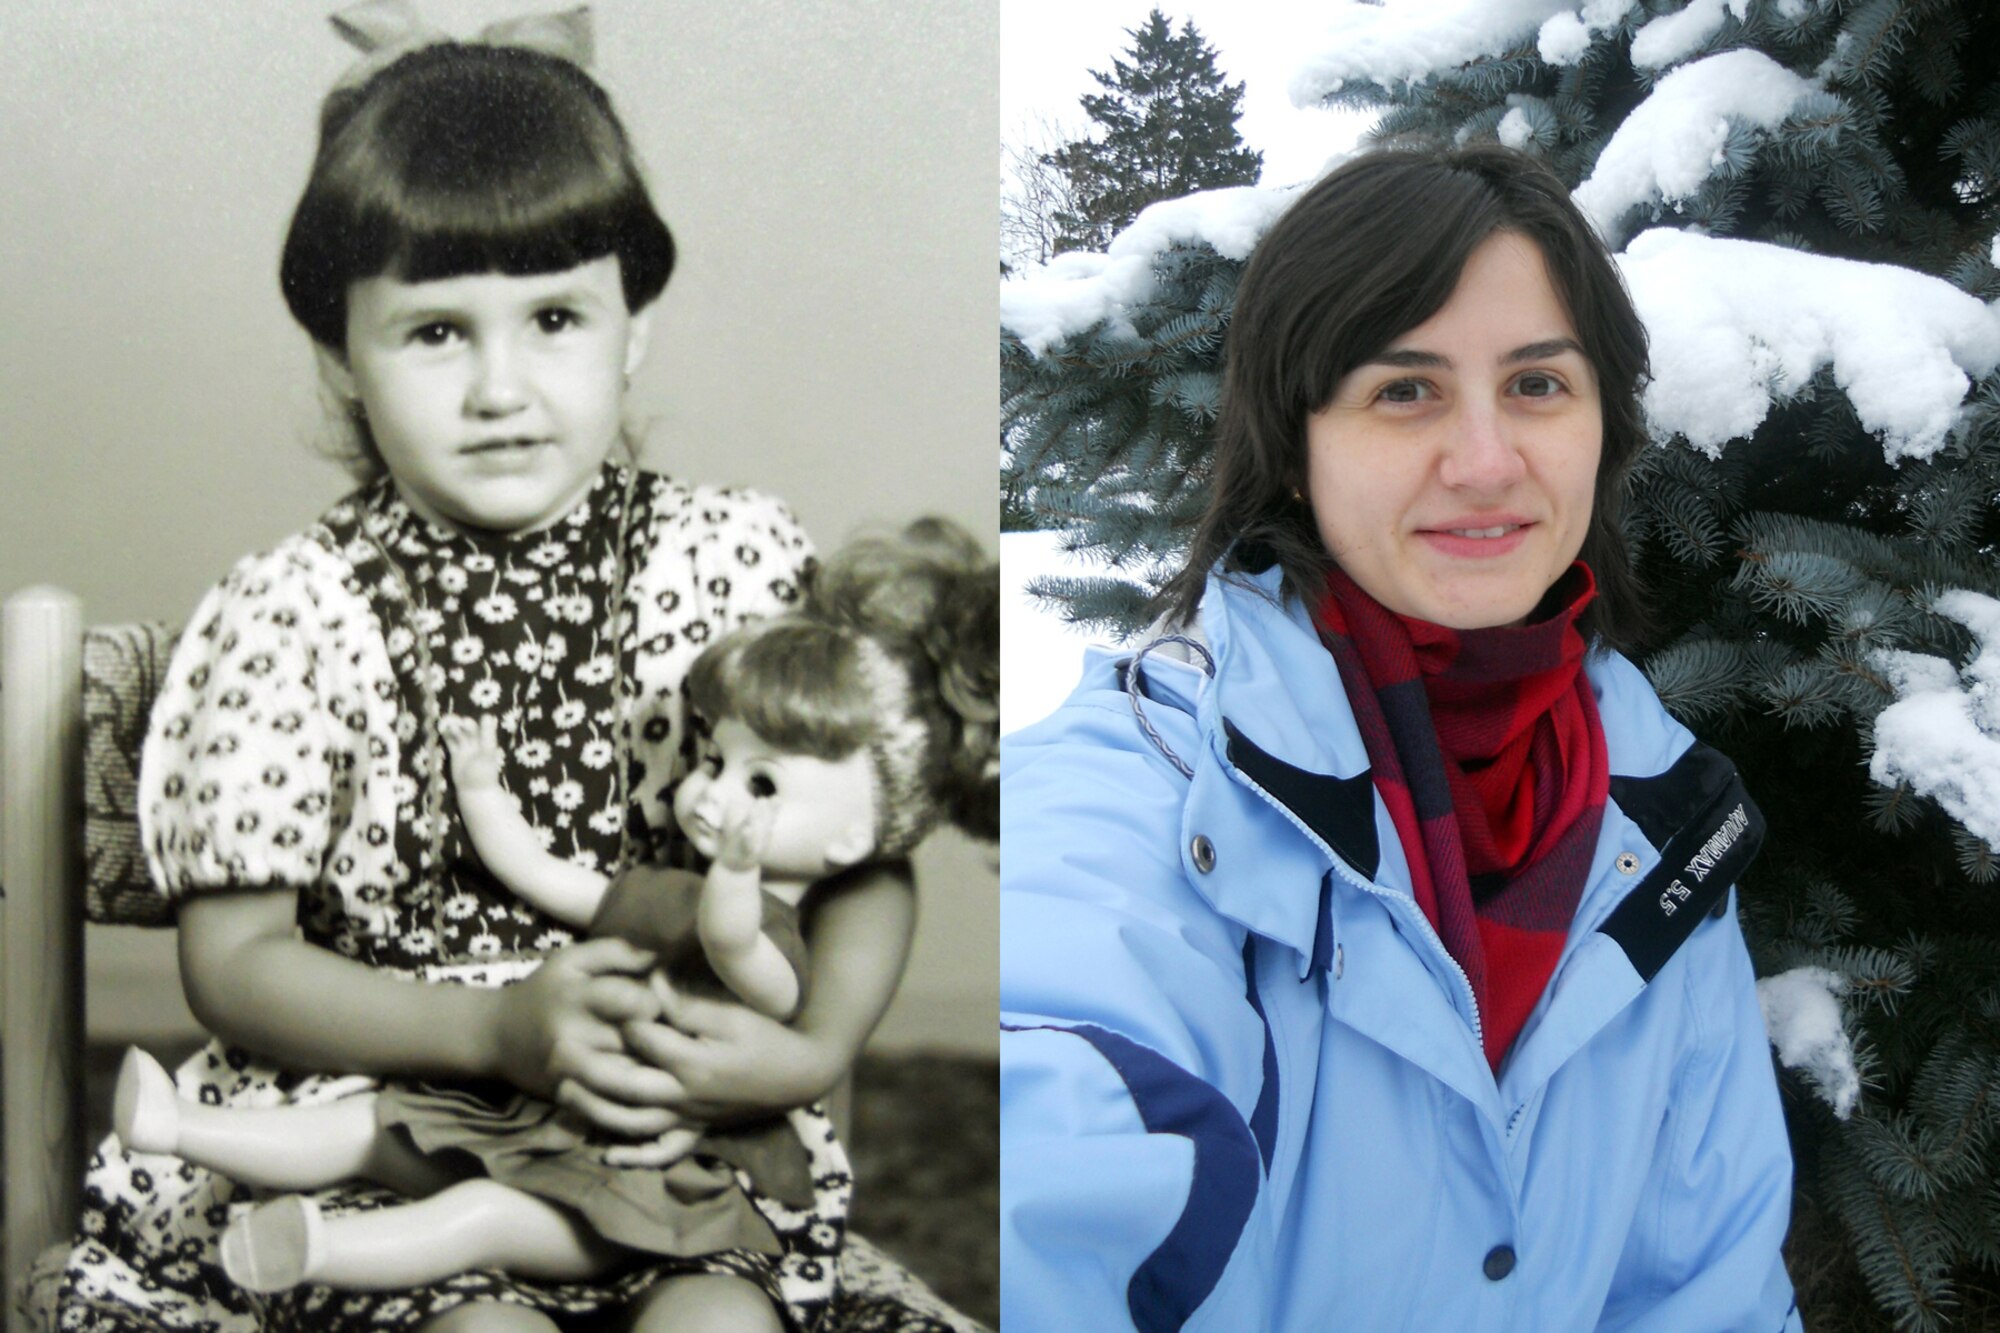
x: 638, y: 333
x: 335, y: 375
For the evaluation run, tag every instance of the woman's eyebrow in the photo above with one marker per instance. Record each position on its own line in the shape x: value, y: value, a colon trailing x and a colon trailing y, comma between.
x: 1406, y: 358
x: 1543, y: 350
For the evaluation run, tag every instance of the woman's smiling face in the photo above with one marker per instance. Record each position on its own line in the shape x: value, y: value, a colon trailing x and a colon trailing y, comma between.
x: 1451, y: 476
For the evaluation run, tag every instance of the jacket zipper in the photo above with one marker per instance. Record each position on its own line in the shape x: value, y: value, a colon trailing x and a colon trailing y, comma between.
x: 1353, y: 877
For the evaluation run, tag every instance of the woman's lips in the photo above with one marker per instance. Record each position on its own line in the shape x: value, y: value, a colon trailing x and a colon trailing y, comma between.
x: 1485, y: 540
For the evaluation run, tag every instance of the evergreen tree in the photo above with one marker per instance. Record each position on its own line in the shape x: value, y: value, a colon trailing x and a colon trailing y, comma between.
x: 1164, y: 125
x: 1777, y: 570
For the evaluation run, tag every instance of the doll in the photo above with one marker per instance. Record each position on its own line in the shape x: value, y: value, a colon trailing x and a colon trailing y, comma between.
x: 840, y: 734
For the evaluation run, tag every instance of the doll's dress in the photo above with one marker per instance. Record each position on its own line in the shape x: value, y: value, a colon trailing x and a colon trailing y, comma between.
x: 691, y: 1207
x: 293, y: 746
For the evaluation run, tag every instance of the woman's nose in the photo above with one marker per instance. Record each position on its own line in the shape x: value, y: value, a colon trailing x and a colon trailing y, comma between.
x: 496, y: 389
x: 1482, y: 453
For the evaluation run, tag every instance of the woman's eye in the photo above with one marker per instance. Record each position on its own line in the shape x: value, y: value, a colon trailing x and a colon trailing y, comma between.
x: 762, y: 787
x: 434, y: 334
x: 555, y: 319
x: 1405, y: 391
x: 1535, y: 384
x: 711, y: 764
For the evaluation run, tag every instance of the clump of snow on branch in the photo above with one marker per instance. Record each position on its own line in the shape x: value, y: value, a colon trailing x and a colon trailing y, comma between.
x: 1672, y: 142
x: 1515, y: 129
x: 1672, y: 37
x: 1733, y: 323
x: 1075, y: 291
x: 1941, y: 737
x: 1406, y: 40
x: 1802, y: 1018
x: 1566, y: 36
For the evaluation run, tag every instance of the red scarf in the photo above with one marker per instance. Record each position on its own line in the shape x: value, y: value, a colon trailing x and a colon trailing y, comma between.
x: 1487, y: 749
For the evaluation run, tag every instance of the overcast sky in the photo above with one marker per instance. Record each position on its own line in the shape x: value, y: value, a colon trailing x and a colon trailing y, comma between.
x: 1049, y: 47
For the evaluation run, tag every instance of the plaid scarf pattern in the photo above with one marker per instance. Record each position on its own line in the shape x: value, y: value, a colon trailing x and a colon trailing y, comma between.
x: 1487, y: 750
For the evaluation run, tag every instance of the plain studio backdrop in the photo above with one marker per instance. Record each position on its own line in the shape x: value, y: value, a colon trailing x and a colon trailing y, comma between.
x: 828, y: 172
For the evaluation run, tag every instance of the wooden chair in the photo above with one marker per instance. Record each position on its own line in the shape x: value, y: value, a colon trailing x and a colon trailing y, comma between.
x: 73, y: 709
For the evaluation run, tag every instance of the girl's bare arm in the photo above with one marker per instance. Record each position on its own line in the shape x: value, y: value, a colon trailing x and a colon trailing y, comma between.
x: 254, y: 982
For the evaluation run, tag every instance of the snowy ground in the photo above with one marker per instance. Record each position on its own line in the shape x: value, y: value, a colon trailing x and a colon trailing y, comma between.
x: 1040, y: 655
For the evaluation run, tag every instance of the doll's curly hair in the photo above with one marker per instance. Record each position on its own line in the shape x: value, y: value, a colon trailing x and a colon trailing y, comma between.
x: 897, y: 650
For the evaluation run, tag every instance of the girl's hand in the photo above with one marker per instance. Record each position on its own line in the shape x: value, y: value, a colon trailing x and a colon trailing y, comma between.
x: 725, y: 1062
x: 663, y: 1150
x: 562, y: 1028
x: 730, y: 1062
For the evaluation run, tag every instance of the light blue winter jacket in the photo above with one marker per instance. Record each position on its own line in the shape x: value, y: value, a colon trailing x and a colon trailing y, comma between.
x: 1242, y: 1085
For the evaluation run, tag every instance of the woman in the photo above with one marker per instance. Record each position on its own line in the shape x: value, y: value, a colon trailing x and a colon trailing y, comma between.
x: 1367, y: 958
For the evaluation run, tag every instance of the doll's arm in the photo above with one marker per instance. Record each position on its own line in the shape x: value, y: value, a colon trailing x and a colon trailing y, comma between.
x: 730, y: 919
x: 729, y: 1062
x: 253, y: 982
x: 503, y: 837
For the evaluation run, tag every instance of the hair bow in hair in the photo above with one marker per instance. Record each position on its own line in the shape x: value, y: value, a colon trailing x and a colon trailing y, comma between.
x: 386, y: 30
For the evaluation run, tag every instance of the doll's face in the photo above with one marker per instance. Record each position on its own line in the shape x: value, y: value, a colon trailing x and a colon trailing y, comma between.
x: 824, y: 815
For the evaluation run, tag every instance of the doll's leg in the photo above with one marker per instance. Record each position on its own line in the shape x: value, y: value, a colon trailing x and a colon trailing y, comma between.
x: 705, y: 1303
x: 473, y: 1224
x: 273, y: 1147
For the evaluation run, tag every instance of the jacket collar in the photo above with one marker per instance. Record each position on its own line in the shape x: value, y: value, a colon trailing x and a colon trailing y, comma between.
x: 1277, y: 714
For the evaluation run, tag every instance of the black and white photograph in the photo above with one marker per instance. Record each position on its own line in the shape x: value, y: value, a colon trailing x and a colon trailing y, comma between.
x: 498, y: 530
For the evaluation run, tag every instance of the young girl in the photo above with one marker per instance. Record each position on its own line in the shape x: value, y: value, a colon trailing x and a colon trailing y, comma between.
x: 475, y: 257
x: 837, y: 735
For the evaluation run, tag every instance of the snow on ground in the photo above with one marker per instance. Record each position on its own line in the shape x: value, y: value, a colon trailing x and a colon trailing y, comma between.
x: 1731, y: 322
x: 1040, y: 655
x: 1671, y: 143
x: 1802, y: 1018
x: 1942, y: 735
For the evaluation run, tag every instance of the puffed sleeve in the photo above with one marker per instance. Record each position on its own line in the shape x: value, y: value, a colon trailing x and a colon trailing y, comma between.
x: 236, y: 781
x: 752, y: 558
x: 717, y: 558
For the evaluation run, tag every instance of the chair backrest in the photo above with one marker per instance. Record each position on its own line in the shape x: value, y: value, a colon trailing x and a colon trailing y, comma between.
x: 73, y: 710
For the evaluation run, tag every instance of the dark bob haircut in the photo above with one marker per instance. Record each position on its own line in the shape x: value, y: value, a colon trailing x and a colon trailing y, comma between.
x: 1365, y: 255
x: 468, y: 158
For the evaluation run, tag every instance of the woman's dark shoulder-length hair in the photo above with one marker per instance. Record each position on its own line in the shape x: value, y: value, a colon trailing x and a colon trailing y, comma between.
x: 468, y: 158
x: 1366, y: 254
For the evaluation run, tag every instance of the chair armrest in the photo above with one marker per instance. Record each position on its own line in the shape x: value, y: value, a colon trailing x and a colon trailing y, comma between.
x: 41, y: 865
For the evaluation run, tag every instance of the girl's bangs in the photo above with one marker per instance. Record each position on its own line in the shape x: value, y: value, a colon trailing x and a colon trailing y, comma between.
x: 440, y: 234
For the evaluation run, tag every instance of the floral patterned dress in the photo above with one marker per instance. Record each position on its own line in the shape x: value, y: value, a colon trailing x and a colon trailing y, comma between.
x: 295, y: 746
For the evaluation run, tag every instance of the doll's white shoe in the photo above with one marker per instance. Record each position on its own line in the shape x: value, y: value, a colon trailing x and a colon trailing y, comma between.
x: 274, y: 1246
x: 145, y: 1109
